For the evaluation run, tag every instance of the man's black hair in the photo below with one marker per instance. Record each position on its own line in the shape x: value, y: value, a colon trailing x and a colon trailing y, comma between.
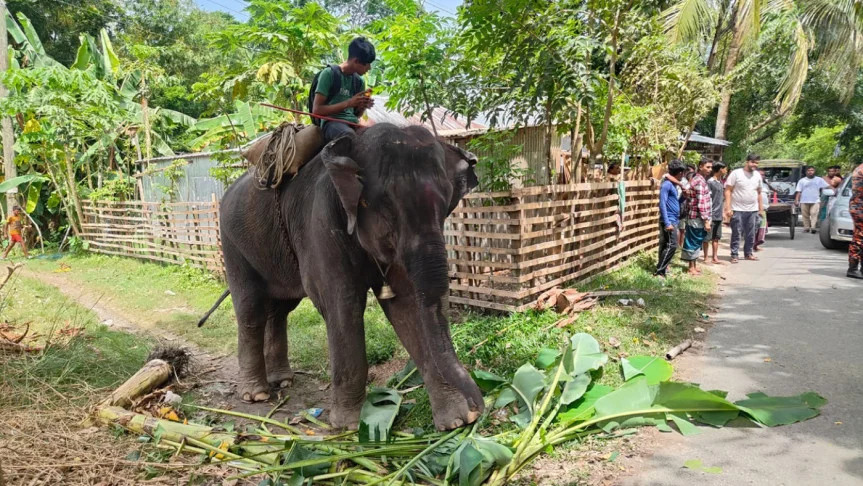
x: 806, y: 169
x: 676, y: 167
x: 717, y: 166
x: 837, y: 167
x: 690, y: 167
x: 361, y: 49
x: 704, y: 160
x: 612, y: 166
x: 753, y: 156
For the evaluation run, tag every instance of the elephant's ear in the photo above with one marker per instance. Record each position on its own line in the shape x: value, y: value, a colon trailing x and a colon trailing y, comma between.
x: 460, y: 168
x: 344, y: 172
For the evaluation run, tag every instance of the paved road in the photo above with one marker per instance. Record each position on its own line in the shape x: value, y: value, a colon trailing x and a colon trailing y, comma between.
x: 797, y: 308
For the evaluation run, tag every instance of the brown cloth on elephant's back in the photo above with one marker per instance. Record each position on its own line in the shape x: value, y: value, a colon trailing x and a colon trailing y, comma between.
x: 282, y: 152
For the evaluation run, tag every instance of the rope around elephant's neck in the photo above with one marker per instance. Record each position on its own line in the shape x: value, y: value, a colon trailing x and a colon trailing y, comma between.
x: 383, y: 274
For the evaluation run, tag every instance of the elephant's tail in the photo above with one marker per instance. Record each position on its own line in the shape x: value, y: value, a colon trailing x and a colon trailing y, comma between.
x: 215, y: 306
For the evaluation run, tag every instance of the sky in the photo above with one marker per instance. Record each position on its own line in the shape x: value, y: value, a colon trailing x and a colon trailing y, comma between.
x: 235, y: 7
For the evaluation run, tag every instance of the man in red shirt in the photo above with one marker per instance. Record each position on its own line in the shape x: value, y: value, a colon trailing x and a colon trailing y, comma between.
x: 698, y: 222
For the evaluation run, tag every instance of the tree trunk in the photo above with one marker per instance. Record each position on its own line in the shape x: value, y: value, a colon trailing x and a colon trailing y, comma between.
x: 549, y: 163
x: 725, y: 100
x: 717, y: 35
x: 428, y: 106
x: 611, y: 73
x: 10, y: 171
x: 63, y: 200
x: 575, y: 147
x: 73, y: 190
x: 148, y: 143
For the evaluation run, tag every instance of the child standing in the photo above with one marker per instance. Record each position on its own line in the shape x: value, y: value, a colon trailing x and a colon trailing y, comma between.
x: 14, y: 226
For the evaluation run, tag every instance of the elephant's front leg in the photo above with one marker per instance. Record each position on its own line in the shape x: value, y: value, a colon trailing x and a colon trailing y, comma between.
x: 347, y: 345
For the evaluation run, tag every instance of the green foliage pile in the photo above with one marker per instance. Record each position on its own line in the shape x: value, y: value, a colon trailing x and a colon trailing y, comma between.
x: 550, y: 402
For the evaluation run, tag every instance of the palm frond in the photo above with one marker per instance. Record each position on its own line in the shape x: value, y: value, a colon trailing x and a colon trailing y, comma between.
x: 688, y: 20
x: 798, y: 70
x: 838, y: 25
x: 748, y: 24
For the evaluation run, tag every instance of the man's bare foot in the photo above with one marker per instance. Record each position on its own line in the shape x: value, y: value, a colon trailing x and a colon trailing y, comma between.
x: 753, y: 258
x: 718, y: 262
x: 694, y: 271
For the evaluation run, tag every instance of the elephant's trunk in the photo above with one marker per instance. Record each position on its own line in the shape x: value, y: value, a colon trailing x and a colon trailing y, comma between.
x: 427, y: 270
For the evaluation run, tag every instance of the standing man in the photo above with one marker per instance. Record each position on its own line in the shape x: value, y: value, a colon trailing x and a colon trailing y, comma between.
x: 351, y: 98
x: 855, y: 207
x: 808, y: 198
x: 833, y: 177
x: 742, y: 205
x: 614, y: 172
x: 717, y: 199
x: 700, y: 218
x: 669, y: 216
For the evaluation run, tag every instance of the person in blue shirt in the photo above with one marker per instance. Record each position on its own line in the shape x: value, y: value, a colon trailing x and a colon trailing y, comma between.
x: 669, y: 211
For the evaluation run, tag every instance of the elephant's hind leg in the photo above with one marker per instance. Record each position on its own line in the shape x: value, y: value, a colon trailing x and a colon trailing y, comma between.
x: 279, y: 371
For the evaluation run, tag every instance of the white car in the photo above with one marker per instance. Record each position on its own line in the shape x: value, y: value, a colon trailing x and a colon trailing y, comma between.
x: 837, y: 225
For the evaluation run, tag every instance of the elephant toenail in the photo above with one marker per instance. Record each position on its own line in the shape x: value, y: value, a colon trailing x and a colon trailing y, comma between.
x: 458, y: 423
x: 472, y: 416
x: 262, y: 396
x: 285, y: 384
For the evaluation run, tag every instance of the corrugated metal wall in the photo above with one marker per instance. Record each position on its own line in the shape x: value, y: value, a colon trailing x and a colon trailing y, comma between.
x: 533, y: 158
x: 196, y: 185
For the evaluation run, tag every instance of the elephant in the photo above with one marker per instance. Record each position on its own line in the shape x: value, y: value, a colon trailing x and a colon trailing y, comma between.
x: 368, y: 210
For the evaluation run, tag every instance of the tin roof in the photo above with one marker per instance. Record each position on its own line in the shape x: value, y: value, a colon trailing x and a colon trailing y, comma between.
x: 444, y: 119
x: 698, y: 138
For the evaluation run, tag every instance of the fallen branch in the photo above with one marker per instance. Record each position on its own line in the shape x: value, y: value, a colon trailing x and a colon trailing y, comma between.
x: 10, y: 271
x: 673, y: 352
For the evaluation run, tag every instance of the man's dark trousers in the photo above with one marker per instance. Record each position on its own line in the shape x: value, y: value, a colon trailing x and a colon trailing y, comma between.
x: 333, y: 130
x: 745, y: 224
x: 667, y: 248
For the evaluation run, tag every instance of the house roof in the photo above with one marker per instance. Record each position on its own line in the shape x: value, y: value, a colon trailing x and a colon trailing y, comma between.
x: 444, y: 120
x: 698, y: 138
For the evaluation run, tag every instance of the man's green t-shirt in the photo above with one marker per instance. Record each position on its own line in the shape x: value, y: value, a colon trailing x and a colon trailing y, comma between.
x: 325, y: 80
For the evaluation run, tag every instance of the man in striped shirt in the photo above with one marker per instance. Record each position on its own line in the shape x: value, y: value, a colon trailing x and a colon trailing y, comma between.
x: 699, y: 217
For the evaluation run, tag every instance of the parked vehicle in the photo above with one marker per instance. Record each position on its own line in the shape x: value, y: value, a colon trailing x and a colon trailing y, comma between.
x: 837, y: 226
x: 781, y: 177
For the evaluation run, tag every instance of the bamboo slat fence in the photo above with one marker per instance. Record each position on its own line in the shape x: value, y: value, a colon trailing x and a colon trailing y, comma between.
x: 178, y: 233
x: 504, y: 249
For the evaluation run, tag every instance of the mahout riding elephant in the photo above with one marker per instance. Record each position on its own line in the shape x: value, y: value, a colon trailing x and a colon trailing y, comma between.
x: 367, y: 211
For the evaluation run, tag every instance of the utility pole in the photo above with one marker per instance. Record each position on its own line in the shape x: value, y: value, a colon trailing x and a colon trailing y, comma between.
x: 9, y: 169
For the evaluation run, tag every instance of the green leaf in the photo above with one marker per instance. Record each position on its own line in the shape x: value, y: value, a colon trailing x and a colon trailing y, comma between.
x: 633, y: 396
x: 33, y: 196
x: 17, y: 181
x: 684, y: 426
x: 506, y: 397
x: 574, y: 389
x: 546, y: 358
x: 696, y: 465
x: 82, y: 58
x: 53, y: 202
x: 773, y: 411
x: 585, y: 409
x: 584, y: 355
x: 487, y: 381
x: 112, y: 62
x: 469, y: 467
x: 378, y: 414
x: 716, y: 419
x: 654, y: 368
x: 684, y: 396
x: 248, y: 121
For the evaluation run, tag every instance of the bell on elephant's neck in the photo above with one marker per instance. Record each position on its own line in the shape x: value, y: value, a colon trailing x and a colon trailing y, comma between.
x: 386, y: 293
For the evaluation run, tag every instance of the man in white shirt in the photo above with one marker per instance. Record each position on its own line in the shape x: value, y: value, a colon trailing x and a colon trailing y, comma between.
x: 742, y: 205
x: 808, y: 198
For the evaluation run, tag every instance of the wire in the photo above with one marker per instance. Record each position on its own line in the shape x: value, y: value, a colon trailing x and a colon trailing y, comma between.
x: 440, y: 8
x: 228, y: 8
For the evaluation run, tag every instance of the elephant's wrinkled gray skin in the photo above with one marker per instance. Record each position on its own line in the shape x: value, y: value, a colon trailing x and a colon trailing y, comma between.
x: 383, y: 194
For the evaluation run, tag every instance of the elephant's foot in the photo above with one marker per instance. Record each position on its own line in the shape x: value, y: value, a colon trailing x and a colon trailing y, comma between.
x: 452, y: 410
x: 280, y: 378
x: 253, y: 391
x: 346, y: 417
